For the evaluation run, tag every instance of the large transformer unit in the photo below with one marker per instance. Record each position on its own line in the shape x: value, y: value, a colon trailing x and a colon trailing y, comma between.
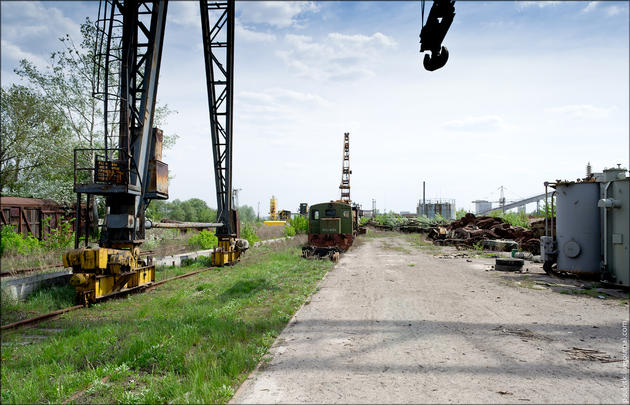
x: 590, y: 234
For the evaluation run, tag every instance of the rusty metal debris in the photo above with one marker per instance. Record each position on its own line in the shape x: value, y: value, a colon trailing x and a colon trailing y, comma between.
x: 470, y: 230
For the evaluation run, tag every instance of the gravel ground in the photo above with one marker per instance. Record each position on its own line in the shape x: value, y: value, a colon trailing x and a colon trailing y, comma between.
x: 393, y: 323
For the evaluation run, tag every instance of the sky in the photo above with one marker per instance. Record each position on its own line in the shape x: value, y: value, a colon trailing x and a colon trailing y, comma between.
x: 531, y: 93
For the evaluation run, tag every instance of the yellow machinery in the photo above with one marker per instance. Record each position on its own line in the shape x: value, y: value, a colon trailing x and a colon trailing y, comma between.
x: 273, y: 213
x: 99, y: 272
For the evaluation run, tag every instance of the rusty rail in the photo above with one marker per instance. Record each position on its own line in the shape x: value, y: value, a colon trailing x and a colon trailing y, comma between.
x: 40, y: 318
x: 145, y: 288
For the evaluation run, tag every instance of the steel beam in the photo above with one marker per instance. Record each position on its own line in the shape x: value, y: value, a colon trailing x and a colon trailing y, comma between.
x: 217, y: 25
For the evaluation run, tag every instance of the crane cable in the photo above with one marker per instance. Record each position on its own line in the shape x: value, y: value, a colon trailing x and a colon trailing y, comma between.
x: 422, y: 8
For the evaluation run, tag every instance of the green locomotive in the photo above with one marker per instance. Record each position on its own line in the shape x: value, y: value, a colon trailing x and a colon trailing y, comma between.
x: 332, y: 227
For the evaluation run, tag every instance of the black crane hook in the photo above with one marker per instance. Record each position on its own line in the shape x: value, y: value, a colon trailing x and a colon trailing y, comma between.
x: 433, y: 32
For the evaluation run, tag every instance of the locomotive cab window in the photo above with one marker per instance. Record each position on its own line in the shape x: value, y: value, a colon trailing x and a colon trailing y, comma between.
x: 331, y: 212
x: 346, y: 213
x: 315, y: 214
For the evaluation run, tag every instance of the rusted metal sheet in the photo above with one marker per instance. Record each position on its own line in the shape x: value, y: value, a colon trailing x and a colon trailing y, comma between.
x: 327, y: 240
x: 34, y: 216
x: 159, y: 177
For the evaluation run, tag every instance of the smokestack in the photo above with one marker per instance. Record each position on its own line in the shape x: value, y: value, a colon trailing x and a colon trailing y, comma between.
x: 589, y: 171
x: 424, y: 201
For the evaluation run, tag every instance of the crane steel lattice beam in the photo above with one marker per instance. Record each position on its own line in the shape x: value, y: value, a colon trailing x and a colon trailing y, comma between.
x: 217, y: 25
x: 345, y: 169
x: 138, y: 55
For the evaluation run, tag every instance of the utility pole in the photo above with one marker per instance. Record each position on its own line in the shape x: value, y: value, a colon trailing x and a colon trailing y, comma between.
x: 502, y: 199
x: 373, y: 207
x: 258, y: 212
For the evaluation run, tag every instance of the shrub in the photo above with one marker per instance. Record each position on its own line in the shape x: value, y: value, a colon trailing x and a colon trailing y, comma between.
x: 204, y: 240
x: 58, y: 238
x: 248, y: 231
x: 299, y: 223
x: 289, y: 230
x: 512, y: 218
x: 12, y: 242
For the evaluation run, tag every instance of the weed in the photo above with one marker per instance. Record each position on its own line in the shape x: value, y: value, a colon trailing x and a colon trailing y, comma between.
x: 300, y: 224
x: 170, y: 345
x: 248, y: 231
x: 204, y: 240
x: 512, y: 218
x: 39, y: 302
x: 289, y: 230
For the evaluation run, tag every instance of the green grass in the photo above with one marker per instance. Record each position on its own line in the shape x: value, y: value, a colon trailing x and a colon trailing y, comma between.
x: 191, y: 340
x: 420, y: 241
x: 591, y: 292
x: 40, y: 302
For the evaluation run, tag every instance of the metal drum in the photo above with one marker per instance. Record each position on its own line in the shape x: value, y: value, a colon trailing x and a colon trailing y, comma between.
x: 578, y: 227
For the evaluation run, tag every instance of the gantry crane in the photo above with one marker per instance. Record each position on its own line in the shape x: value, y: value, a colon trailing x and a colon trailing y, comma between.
x: 128, y: 170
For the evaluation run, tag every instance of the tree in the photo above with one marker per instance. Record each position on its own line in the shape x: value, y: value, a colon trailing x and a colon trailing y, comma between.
x: 246, y: 213
x: 68, y: 85
x: 34, y: 156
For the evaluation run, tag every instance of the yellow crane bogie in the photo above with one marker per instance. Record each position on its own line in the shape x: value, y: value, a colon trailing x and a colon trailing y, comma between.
x: 98, y: 272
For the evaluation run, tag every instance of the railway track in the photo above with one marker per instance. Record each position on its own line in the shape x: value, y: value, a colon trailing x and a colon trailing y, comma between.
x: 140, y: 289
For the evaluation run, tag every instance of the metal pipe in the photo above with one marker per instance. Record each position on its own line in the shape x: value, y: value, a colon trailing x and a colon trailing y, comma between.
x: 552, y: 216
x: 182, y: 225
x: 605, y: 236
x: 546, y: 209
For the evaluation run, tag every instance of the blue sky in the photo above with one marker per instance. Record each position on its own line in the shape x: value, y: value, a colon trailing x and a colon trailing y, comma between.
x: 532, y: 92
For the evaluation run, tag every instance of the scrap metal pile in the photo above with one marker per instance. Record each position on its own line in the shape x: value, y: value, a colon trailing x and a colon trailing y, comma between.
x: 470, y: 230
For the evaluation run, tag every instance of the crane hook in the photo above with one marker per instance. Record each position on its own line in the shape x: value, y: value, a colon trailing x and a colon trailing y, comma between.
x: 436, y: 60
x: 433, y: 32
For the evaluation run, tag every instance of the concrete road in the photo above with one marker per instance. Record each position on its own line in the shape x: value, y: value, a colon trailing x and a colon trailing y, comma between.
x: 393, y: 323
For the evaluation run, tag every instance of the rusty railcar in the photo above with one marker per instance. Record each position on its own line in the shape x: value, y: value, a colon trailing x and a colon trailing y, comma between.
x: 35, y: 216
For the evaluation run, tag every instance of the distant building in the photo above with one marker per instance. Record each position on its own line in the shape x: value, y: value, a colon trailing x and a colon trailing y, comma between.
x: 482, y: 206
x: 445, y: 208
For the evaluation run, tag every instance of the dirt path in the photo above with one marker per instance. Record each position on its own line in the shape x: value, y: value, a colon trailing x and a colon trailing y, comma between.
x: 443, y: 330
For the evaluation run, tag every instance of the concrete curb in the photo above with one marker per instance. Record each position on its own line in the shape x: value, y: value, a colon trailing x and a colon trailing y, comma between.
x: 20, y: 288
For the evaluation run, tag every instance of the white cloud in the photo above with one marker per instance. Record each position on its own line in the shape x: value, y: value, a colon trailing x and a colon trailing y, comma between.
x: 540, y: 4
x: 614, y: 10
x: 243, y: 33
x: 184, y: 13
x: 36, y: 20
x: 484, y: 123
x: 277, y: 13
x: 591, y: 6
x: 339, y: 56
x: 14, y: 53
x: 277, y: 100
x: 582, y: 111
x: 610, y: 11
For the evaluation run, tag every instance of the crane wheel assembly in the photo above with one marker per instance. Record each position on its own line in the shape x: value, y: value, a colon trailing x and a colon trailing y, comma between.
x: 100, y: 272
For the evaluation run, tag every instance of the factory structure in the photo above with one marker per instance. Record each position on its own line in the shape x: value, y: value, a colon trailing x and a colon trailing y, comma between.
x: 430, y: 208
